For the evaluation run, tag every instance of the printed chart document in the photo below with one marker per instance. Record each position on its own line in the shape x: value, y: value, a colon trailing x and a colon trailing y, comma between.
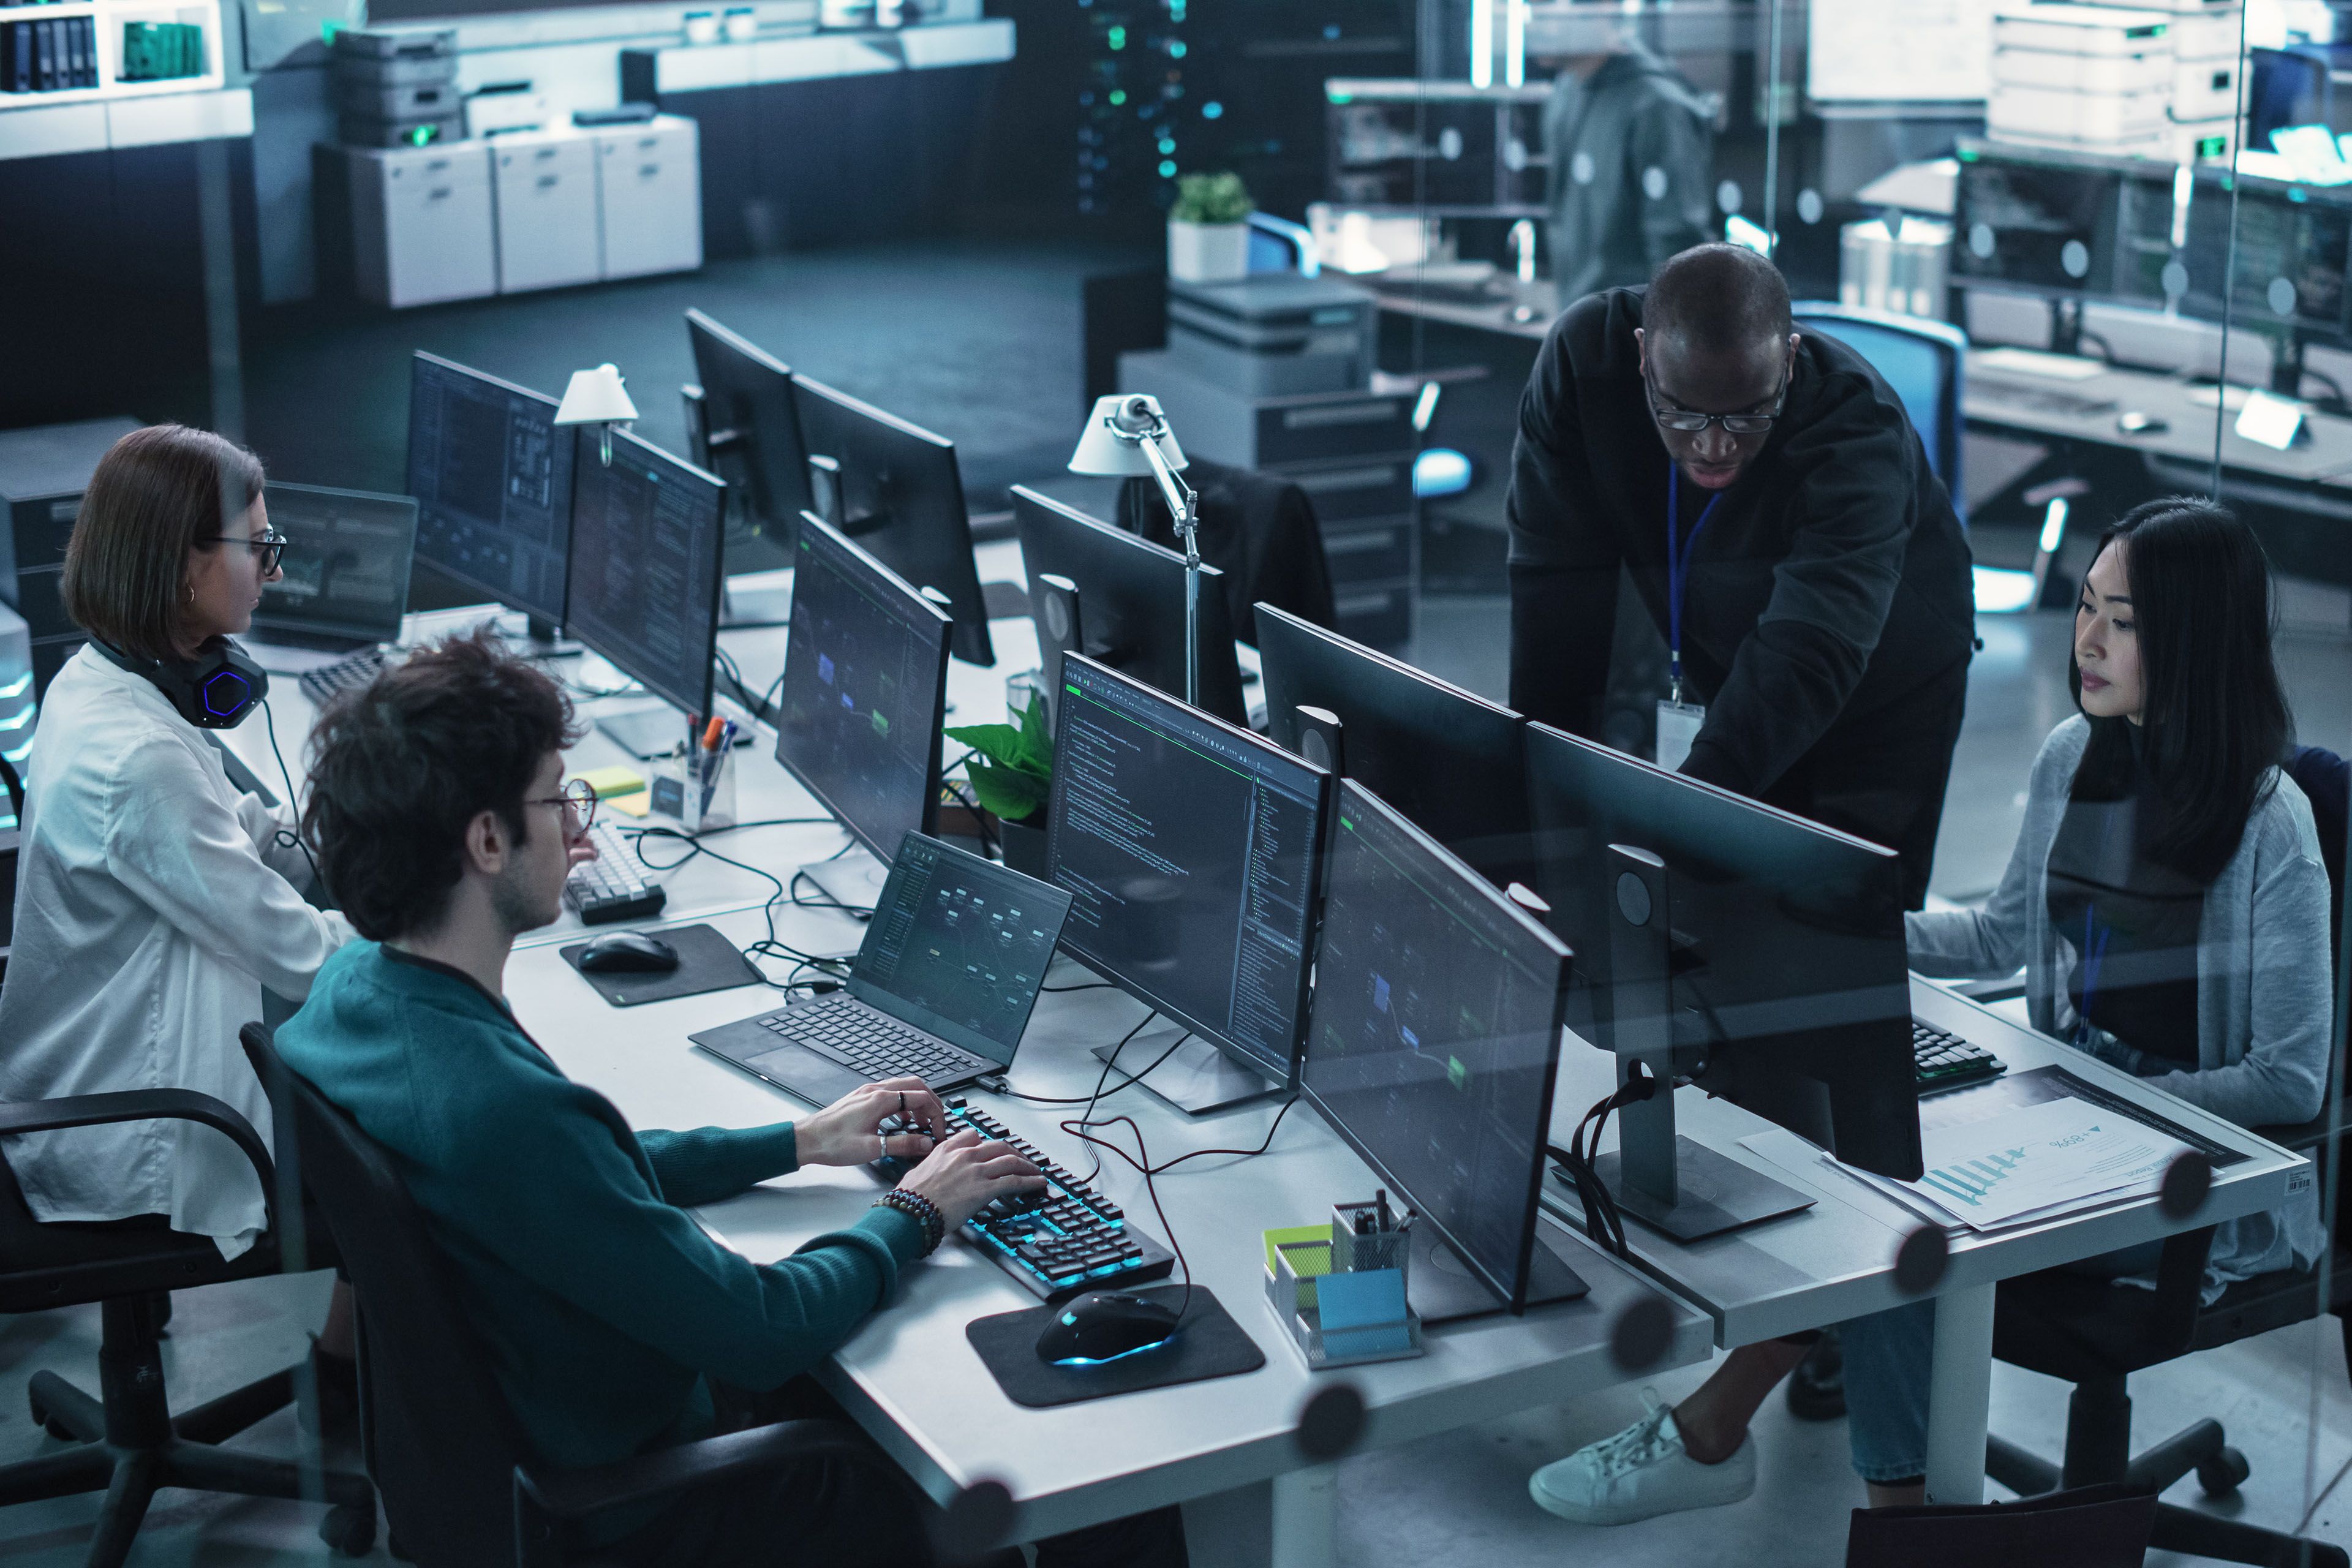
x: 2029, y: 1164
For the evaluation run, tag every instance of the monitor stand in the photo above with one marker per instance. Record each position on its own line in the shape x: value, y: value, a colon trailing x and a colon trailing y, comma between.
x: 743, y: 604
x: 1196, y: 1078
x: 1442, y: 1290
x: 854, y: 879
x: 645, y: 733
x: 543, y: 639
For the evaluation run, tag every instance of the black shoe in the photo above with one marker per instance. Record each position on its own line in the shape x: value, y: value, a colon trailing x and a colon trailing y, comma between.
x: 1817, y: 1388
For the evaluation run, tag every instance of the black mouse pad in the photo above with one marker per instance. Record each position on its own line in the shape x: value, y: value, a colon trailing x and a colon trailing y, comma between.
x: 707, y: 960
x: 1208, y: 1344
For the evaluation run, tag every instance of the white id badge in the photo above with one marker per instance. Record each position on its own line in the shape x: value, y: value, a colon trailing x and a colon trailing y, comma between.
x: 1678, y: 725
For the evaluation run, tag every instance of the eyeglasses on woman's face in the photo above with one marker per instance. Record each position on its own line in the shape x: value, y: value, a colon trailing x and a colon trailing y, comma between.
x: 268, y: 547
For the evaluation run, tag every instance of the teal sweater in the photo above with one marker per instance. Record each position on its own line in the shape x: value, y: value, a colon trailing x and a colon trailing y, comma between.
x: 602, y: 1305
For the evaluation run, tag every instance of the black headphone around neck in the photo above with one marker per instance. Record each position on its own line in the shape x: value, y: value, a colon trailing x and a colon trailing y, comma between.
x: 213, y: 690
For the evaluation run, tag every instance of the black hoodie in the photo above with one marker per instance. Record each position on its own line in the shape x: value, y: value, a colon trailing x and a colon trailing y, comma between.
x: 1831, y: 582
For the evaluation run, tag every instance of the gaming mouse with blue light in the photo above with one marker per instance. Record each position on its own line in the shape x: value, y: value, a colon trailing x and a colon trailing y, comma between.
x: 1104, y: 1326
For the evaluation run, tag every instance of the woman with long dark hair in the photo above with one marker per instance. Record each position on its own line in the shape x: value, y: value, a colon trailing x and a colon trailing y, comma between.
x: 2169, y: 905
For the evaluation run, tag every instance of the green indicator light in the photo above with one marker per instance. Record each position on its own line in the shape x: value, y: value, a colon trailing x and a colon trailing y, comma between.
x: 1117, y: 39
x: 1343, y: 821
x: 1074, y: 691
x: 1117, y: 96
x: 1345, y: 98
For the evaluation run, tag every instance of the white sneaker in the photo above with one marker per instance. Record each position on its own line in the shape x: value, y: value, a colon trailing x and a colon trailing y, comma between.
x: 1640, y: 1473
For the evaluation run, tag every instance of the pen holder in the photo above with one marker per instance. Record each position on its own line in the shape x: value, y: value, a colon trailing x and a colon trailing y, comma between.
x: 1349, y: 1326
x: 702, y: 783
x: 1352, y: 1251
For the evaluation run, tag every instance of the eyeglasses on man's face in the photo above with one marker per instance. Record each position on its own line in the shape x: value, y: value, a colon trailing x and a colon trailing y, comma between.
x: 1690, y: 422
x: 578, y: 800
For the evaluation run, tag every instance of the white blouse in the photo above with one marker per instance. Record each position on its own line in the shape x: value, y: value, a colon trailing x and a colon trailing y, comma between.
x: 153, y: 904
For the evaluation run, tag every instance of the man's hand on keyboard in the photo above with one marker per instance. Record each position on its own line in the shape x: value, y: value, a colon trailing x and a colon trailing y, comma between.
x: 964, y: 1175
x: 849, y: 1131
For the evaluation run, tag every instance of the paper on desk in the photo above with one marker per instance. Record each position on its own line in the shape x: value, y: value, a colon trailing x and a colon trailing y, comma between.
x: 2030, y: 1163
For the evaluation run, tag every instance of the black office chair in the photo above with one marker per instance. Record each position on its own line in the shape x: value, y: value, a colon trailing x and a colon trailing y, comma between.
x: 134, y: 1445
x: 462, y: 1486
x: 1260, y: 531
x: 2093, y: 1335
x: 2095, y: 1527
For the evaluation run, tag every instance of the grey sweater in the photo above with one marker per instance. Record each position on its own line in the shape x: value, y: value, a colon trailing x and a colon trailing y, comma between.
x: 2264, y: 995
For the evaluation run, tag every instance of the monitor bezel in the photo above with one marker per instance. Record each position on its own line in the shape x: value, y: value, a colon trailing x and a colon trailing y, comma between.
x: 584, y: 439
x: 699, y: 326
x: 815, y: 530
x: 1353, y: 795
x: 264, y: 620
x: 1285, y: 1075
x: 458, y: 575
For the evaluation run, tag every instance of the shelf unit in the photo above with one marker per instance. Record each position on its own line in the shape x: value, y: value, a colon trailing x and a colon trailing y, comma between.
x: 111, y: 16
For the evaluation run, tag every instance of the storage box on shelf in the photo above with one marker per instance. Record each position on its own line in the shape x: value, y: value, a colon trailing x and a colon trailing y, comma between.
x: 1352, y: 451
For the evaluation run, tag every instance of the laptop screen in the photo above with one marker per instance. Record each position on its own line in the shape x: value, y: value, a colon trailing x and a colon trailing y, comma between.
x: 960, y: 941
x: 346, y: 563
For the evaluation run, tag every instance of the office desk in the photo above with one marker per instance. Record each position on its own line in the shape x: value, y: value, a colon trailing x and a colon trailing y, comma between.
x: 1836, y: 1260
x: 1498, y: 314
x: 1222, y: 1447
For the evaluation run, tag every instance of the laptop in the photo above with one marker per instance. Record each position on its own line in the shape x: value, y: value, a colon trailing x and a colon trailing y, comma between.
x: 942, y: 988
x: 346, y: 568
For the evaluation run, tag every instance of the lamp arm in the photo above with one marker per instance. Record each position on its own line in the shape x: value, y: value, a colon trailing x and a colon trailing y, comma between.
x: 1181, y: 499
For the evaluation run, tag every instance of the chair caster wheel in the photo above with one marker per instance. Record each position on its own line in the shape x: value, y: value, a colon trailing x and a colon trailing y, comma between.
x: 2224, y: 1473
x: 350, y: 1530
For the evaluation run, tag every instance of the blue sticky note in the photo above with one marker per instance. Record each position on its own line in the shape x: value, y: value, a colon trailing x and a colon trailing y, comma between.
x: 1359, y: 1299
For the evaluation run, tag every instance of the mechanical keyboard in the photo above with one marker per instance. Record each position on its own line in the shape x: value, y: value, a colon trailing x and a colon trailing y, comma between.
x: 869, y: 1041
x: 611, y: 887
x: 330, y: 681
x: 1055, y: 1243
x: 1942, y: 1060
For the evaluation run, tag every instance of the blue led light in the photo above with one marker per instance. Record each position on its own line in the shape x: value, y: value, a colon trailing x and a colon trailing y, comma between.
x: 1168, y: 169
x: 1213, y: 110
x: 1106, y: 1360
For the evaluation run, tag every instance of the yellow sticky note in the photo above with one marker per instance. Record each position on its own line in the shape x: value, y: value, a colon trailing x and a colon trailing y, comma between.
x: 1274, y: 1239
x: 636, y: 804
x: 610, y: 781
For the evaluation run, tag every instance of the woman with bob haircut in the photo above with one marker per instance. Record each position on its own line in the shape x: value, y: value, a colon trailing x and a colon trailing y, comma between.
x: 155, y: 900
x: 2168, y: 902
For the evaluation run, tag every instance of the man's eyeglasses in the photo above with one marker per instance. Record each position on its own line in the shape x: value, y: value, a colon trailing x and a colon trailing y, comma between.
x: 579, y: 803
x: 268, y: 548
x: 1690, y: 422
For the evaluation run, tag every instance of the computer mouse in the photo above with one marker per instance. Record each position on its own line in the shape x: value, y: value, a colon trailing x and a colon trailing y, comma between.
x: 2134, y: 423
x: 628, y: 953
x: 1102, y: 1327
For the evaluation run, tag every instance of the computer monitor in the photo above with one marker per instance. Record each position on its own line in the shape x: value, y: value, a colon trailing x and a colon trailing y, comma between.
x: 752, y: 425
x: 858, y: 717
x: 897, y: 492
x: 2292, y: 247
x: 1432, y: 1042
x: 1449, y: 760
x: 345, y: 582
x: 492, y: 479
x: 1131, y: 601
x: 1757, y: 953
x: 2037, y: 224
x: 646, y: 535
x: 1190, y: 850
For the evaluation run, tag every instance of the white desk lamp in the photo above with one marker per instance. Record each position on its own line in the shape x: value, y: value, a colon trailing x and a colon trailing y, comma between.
x: 1128, y: 437
x: 597, y: 398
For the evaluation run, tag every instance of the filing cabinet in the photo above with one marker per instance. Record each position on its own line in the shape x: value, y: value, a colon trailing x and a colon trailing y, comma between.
x: 547, y: 212
x: 424, y: 223
x: 649, y: 181
x: 1351, y: 452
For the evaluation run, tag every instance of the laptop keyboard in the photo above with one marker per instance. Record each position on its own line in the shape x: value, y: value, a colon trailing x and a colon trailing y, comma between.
x: 330, y: 680
x: 868, y: 1042
x: 1940, y: 1060
x: 611, y: 887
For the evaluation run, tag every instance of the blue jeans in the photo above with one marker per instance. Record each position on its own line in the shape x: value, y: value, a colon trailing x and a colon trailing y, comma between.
x: 1887, y: 1358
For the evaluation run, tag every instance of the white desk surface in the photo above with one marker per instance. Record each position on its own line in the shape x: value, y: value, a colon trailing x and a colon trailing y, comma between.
x: 1835, y: 1260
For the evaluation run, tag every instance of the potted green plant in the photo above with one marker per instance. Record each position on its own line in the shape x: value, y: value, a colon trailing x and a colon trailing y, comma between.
x: 1208, y: 229
x: 1012, y: 772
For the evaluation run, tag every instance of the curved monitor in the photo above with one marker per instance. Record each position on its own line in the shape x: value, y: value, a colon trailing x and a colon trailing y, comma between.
x: 1449, y: 760
x: 901, y: 498
x: 1131, y: 600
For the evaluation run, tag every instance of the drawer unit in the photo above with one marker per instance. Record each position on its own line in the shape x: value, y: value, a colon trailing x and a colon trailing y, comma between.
x: 546, y: 191
x: 1377, y: 552
x: 1225, y: 426
x: 423, y: 225
x: 649, y: 189
x: 1377, y: 488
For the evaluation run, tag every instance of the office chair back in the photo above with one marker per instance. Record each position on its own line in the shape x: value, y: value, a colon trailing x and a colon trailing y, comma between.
x: 1923, y: 362
x: 2089, y: 1527
x: 441, y: 1443
x: 2326, y: 780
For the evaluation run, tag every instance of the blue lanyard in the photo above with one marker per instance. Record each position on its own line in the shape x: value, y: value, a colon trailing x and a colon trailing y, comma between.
x: 1678, y: 574
x: 2094, y: 952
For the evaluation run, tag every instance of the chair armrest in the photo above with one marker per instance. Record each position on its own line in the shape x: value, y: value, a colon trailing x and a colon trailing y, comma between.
x: 146, y: 1105
x: 573, y: 1495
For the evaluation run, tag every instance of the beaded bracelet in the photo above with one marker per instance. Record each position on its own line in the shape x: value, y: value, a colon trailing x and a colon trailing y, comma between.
x: 921, y: 1209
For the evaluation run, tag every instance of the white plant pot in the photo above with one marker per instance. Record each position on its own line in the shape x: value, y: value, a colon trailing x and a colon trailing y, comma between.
x: 1207, y: 252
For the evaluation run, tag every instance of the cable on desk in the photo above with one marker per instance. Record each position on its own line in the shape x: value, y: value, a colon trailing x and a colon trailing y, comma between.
x: 1151, y: 1188
x: 769, y: 946
x: 289, y: 839
x: 1132, y: 1078
x: 824, y: 900
x: 1602, y: 1222
x: 1088, y: 986
x: 758, y: 706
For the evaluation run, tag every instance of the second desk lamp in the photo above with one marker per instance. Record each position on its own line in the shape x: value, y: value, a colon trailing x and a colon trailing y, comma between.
x: 1127, y: 436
